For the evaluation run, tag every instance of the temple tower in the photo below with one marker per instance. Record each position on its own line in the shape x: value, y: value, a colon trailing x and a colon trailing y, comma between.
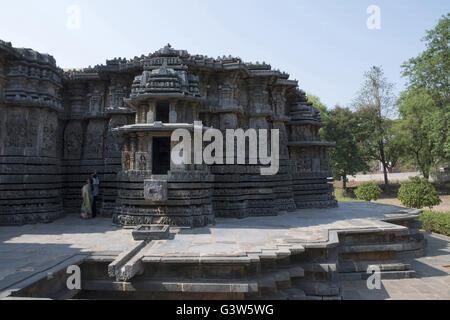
x: 153, y: 189
x: 310, y: 166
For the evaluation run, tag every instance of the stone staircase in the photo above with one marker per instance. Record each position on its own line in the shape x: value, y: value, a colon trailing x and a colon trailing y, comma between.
x: 387, y: 250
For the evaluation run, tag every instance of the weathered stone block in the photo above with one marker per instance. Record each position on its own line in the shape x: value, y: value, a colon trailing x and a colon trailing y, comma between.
x: 155, y: 190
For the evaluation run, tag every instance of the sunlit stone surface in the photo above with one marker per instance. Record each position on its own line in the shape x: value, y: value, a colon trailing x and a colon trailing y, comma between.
x: 58, y: 126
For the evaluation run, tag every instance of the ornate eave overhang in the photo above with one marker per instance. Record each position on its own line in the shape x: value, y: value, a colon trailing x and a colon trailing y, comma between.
x: 156, y: 127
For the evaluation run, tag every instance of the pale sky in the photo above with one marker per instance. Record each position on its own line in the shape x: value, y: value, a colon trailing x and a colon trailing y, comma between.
x: 326, y: 45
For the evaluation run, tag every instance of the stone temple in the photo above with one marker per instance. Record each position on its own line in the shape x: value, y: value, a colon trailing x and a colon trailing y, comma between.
x: 58, y: 126
x: 192, y: 231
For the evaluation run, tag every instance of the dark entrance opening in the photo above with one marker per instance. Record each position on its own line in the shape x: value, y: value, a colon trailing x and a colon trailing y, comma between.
x: 162, y: 112
x: 161, y: 155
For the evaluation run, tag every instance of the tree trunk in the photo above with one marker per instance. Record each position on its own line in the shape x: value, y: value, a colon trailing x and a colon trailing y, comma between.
x: 424, y: 167
x: 385, y: 171
x: 425, y: 170
x: 383, y: 162
x: 344, y: 183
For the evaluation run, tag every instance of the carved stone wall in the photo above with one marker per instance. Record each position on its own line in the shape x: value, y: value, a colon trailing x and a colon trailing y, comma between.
x: 56, y: 128
x: 30, y: 180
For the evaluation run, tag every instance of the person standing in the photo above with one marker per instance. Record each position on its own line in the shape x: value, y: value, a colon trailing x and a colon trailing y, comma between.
x: 95, y: 186
x: 86, y: 207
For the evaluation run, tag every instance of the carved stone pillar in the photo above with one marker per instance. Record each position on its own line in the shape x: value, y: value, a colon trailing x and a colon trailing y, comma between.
x: 141, y: 142
x: 138, y: 115
x: 143, y: 111
x: 151, y: 112
x: 126, y: 156
x: 173, y: 112
x: 133, y: 151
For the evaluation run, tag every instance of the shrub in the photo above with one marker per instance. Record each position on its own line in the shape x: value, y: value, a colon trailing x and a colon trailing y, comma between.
x: 438, y: 222
x: 368, y: 191
x: 418, y: 193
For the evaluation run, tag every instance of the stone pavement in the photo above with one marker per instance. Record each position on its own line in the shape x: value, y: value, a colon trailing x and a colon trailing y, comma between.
x: 306, y: 226
x: 432, y: 280
x: 27, y: 250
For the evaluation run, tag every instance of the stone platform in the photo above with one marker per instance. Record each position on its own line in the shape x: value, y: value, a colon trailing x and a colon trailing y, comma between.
x: 301, y: 254
x: 311, y: 227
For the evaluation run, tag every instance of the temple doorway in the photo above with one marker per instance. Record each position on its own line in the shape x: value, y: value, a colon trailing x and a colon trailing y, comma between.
x: 161, y: 155
x: 162, y: 112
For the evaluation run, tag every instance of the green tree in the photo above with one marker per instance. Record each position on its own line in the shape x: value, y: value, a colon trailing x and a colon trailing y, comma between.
x: 347, y: 157
x: 419, y: 120
x: 428, y: 89
x: 431, y: 68
x: 396, y: 143
x: 375, y: 105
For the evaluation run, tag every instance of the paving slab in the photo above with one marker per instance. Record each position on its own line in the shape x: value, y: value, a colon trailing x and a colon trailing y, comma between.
x: 30, y: 249
x: 240, y: 236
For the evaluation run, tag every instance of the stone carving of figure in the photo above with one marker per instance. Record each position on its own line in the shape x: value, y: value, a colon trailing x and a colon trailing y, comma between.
x: 127, y: 162
x: 96, y: 102
x: 142, y: 162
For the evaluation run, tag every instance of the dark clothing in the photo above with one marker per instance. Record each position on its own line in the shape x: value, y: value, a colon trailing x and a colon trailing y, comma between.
x: 94, y: 207
x: 95, y: 186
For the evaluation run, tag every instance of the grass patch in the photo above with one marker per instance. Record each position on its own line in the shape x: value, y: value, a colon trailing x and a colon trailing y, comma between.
x: 347, y: 199
x: 341, y: 195
x: 434, y: 221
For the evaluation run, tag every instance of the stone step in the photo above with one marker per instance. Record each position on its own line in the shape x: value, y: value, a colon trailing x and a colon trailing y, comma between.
x: 402, y: 246
x: 362, y: 266
x: 412, y: 254
x: 407, y: 274
x: 385, y: 275
x: 285, y: 294
x: 317, y: 288
x: 172, y: 285
x: 267, y: 283
x: 279, y: 278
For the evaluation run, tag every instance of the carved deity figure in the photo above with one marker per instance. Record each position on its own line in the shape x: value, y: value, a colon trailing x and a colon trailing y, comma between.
x: 142, y: 162
x: 96, y: 101
x: 126, y: 161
